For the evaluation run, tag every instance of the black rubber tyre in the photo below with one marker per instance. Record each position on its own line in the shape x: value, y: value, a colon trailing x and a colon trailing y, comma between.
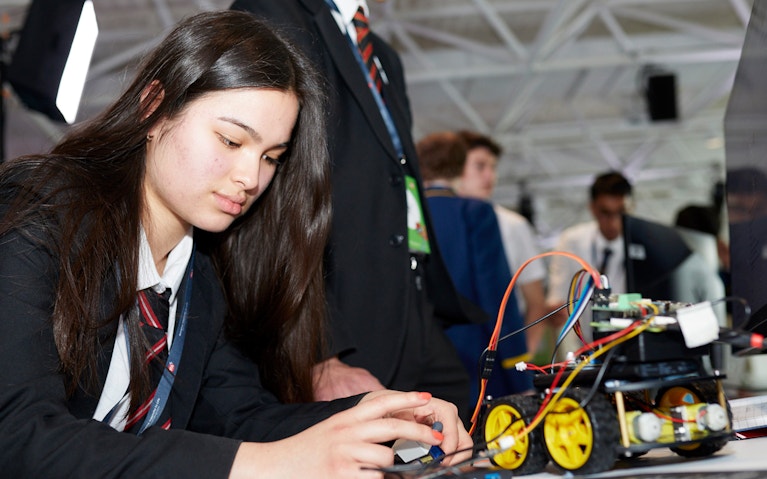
x: 701, y: 392
x: 582, y: 440
x: 506, y: 417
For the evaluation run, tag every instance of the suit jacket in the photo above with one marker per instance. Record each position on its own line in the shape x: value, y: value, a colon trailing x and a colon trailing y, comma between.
x: 470, y: 239
x: 45, y: 433
x: 368, y: 267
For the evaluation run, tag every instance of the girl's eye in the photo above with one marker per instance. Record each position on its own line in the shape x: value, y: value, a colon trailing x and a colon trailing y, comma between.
x: 270, y: 160
x: 228, y: 143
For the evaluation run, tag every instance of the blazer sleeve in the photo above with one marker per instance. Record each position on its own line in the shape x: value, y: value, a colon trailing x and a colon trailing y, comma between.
x: 41, y: 437
x: 233, y: 403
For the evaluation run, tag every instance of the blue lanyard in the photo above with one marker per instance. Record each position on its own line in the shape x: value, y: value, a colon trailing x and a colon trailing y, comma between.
x: 395, y: 139
x: 174, y: 356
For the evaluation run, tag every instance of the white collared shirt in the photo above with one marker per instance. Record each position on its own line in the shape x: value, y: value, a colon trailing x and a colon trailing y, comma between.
x: 116, y: 384
x: 587, y: 242
x: 345, y: 14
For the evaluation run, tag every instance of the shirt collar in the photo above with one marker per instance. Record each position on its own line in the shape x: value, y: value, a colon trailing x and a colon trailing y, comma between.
x: 345, y: 13
x: 600, y: 242
x: 347, y: 9
x: 178, y: 258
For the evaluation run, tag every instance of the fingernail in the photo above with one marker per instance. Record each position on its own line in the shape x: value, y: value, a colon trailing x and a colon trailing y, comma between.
x: 437, y: 435
x: 424, y: 395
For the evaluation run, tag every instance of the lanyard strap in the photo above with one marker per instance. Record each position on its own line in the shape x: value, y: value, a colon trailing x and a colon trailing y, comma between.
x: 385, y: 114
x: 174, y: 356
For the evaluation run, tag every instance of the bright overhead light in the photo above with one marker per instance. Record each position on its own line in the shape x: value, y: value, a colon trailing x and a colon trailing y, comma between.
x: 50, y: 63
x: 76, y: 68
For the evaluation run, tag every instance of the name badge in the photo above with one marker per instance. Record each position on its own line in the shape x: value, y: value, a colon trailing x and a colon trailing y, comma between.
x: 418, y: 239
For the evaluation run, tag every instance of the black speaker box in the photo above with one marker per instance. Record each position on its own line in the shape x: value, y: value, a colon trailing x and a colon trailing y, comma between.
x: 41, y: 53
x: 660, y: 94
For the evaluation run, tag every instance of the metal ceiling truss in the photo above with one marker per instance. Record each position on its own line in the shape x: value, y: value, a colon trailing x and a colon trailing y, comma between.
x: 557, y: 82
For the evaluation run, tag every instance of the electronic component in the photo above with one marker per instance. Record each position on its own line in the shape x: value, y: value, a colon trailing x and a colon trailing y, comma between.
x: 410, y: 451
x: 644, y: 382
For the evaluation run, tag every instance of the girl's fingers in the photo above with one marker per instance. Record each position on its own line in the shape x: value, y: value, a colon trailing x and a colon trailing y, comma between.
x: 389, y: 429
x: 374, y: 455
x: 384, y: 416
x: 386, y: 403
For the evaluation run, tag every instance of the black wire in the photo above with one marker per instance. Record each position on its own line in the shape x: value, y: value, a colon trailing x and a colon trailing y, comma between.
x: 600, y: 376
x: 542, y: 318
x: 735, y: 299
x: 436, y: 464
x: 573, y: 282
x: 746, y: 309
x: 483, y: 356
x: 524, y: 328
x: 602, y: 371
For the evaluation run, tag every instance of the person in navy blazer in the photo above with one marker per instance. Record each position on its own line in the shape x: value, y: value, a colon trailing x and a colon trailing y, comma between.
x: 208, y: 177
x: 387, y: 305
x: 468, y: 235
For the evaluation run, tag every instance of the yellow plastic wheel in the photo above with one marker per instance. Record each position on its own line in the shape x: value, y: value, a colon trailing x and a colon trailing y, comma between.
x: 504, y: 420
x: 507, y: 417
x: 568, y: 434
x: 581, y: 432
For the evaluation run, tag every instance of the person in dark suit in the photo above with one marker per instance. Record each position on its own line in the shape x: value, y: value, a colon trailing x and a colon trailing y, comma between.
x: 468, y: 235
x: 206, y: 179
x: 389, y: 292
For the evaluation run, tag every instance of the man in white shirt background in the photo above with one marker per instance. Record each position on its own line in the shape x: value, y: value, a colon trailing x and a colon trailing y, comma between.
x: 599, y: 242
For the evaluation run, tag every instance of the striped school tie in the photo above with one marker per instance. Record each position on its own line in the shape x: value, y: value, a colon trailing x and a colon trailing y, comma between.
x: 364, y: 43
x: 153, y: 320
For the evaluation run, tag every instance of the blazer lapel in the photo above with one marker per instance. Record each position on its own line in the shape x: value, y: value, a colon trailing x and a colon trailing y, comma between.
x: 339, y: 50
x: 202, y: 328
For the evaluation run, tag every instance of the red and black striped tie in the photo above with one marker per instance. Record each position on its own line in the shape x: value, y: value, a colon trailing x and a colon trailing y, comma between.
x: 360, y: 22
x: 153, y: 321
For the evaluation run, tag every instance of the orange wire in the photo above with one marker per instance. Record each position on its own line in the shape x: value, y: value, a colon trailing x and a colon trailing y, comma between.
x: 493, y: 344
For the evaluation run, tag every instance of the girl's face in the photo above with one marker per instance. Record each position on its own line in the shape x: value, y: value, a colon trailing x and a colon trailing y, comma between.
x: 206, y: 167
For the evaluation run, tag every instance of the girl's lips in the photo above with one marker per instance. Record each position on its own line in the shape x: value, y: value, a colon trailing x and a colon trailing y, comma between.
x: 230, y: 205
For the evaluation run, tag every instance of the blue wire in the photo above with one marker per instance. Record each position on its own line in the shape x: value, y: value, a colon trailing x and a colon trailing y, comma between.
x: 580, y: 307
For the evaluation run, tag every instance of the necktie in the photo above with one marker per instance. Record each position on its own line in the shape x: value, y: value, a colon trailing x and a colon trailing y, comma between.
x: 606, y: 253
x: 153, y: 321
x: 360, y: 22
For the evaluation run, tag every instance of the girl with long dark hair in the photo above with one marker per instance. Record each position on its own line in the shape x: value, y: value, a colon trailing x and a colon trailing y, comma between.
x: 206, y: 181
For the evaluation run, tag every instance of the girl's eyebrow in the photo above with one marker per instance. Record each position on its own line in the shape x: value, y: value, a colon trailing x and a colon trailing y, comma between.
x: 250, y: 131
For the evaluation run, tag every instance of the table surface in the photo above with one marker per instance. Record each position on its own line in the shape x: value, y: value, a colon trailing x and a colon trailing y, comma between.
x: 739, y: 459
x: 737, y: 455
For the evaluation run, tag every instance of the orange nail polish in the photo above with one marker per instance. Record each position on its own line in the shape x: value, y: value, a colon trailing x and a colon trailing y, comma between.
x: 425, y: 395
x: 437, y: 435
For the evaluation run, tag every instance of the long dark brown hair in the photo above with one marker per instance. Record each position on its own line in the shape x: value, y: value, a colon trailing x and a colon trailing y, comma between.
x: 86, y: 198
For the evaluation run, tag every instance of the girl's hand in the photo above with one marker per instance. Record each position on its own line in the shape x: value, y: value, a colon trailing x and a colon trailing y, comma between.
x: 350, y: 444
x: 455, y: 436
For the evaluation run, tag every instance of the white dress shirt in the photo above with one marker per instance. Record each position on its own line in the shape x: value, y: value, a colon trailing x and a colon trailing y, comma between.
x: 585, y: 241
x: 116, y: 384
x: 345, y: 14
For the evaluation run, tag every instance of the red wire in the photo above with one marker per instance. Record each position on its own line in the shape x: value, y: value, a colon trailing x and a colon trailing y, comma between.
x: 493, y: 343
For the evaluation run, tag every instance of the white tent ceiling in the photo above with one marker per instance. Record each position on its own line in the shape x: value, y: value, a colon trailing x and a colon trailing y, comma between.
x: 557, y: 82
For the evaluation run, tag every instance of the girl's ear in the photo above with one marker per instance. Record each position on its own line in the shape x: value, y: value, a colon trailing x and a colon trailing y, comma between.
x: 151, y: 97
